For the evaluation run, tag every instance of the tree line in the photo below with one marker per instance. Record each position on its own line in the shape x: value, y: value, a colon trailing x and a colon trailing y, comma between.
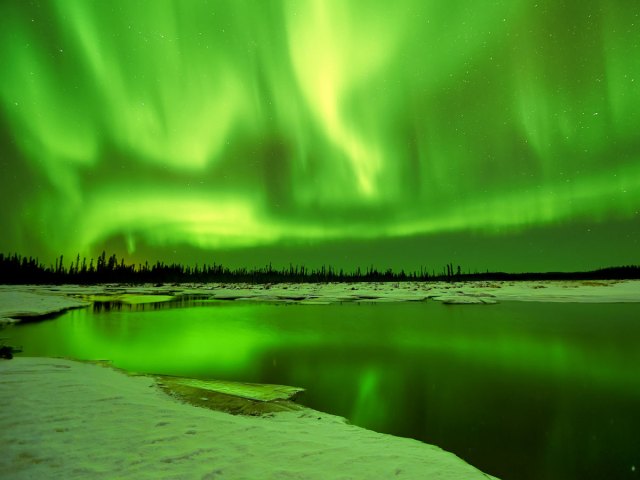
x: 17, y: 269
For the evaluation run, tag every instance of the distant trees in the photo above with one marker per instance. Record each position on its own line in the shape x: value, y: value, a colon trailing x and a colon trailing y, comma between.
x: 16, y: 269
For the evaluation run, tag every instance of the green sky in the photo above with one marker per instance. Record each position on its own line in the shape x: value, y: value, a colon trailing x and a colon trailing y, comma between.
x: 495, y: 134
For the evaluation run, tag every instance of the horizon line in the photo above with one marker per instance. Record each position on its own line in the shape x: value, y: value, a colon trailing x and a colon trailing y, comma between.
x: 15, y: 267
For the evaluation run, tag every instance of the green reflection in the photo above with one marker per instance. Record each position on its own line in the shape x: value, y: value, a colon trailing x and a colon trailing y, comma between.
x: 186, y: 341
x: 554, y: 385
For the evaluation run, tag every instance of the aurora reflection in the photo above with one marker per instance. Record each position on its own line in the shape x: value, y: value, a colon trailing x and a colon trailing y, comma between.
x: 257, y: 126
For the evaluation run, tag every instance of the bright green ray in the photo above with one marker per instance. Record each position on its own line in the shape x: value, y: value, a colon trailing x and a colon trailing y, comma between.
x: 241, y: 123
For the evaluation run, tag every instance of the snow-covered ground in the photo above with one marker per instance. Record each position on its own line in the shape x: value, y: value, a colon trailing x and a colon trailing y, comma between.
x: 20, y: 301
x: 17, y: 303
x: 64, y: 419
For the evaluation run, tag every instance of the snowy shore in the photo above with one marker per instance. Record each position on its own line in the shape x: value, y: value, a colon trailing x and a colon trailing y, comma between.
x: 21, y: 302
x: 65, y: 419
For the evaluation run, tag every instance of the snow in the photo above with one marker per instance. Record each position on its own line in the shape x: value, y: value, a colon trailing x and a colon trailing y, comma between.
x: 28, y: 300
x: 65, y: 419
x: 607, y: 291
x: 18, y: 303
x: 465, y: 300
x: 23, y: 301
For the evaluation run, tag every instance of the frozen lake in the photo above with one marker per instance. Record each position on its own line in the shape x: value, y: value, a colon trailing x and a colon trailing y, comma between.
x: 520, y: 390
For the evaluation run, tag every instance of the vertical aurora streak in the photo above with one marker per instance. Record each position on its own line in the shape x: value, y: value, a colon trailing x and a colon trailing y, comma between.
x: 245, y: 124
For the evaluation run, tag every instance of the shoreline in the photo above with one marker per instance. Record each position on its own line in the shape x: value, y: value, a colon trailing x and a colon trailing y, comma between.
x: 23, y: 303
x: 67, y: 419
x: 18, y: 429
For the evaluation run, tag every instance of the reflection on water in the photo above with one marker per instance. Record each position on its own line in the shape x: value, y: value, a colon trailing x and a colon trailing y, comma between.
x: 142, y: 303
x: 521, y: 390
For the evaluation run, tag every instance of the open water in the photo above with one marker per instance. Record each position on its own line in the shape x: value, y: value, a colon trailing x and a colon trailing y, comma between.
x: 521, y: 390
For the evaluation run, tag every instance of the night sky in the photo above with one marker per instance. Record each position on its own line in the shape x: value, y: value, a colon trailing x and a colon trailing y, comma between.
x: 501, y: 135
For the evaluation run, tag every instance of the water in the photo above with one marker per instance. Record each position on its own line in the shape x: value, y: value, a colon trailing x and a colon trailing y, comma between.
x: 520, y: 390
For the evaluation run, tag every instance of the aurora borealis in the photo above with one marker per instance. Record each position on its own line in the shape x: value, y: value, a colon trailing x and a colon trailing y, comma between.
x: 501, y: 134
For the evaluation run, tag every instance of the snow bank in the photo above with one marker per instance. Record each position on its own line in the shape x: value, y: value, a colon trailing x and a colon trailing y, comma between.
x: 18, y: 303
x: 30, y: 301
x: 64, y: 419
x: 454, y: 293
x: 606, y: 291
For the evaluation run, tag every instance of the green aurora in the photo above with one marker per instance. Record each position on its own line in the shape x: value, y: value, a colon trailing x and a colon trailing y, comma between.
x: 502, y: 134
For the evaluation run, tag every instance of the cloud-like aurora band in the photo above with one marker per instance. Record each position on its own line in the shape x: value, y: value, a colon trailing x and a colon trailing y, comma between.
x: 233, y: 124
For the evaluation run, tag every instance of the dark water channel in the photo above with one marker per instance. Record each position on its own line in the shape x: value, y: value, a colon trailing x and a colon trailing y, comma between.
x: 521, y: 390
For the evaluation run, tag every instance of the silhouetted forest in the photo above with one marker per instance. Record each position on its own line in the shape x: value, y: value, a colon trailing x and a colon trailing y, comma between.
x: 16, y: 269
